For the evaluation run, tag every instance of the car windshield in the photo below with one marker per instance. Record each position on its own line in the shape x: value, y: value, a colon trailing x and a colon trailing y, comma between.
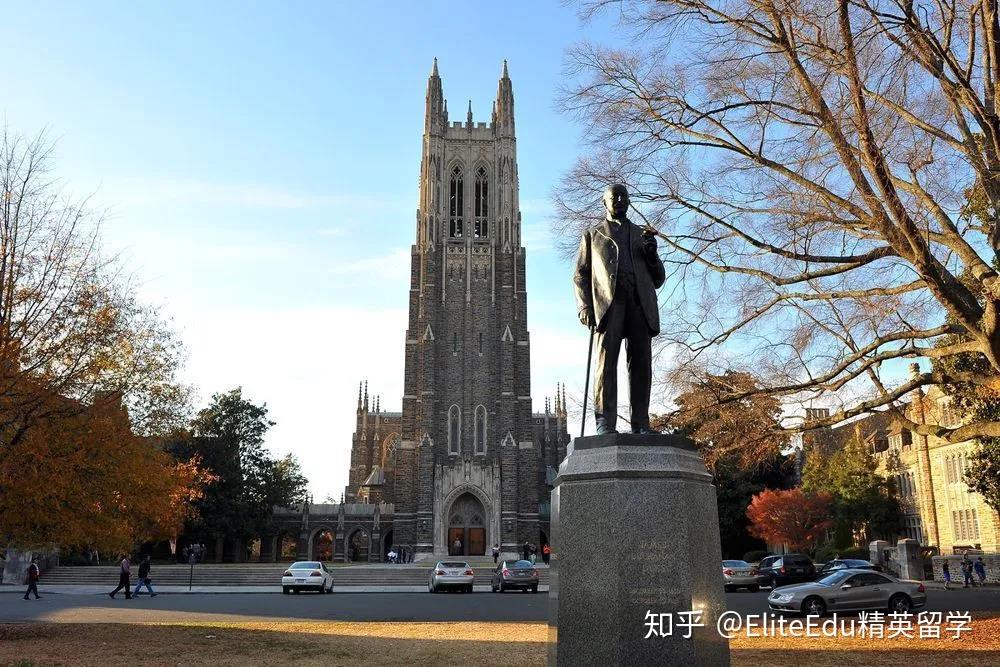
x: 833, y: 578
x: 454, y: 564
x: 857, y: 563
x: 522, y: 564
x: 735, y: 563
x: 304, y: 566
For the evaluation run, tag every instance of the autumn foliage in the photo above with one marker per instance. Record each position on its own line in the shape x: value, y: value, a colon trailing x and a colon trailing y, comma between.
x: 88, y: 377
x: 790, y: 517
x: 83, y: 479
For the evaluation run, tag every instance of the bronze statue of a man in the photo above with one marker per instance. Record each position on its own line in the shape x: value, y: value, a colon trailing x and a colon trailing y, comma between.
x: 618, y: 271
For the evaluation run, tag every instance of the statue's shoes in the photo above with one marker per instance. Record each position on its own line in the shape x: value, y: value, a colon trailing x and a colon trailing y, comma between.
x: 605, y: 430
x: 643, y: 431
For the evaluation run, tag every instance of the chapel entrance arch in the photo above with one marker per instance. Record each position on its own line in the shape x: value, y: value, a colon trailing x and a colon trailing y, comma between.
x: 466, y: 527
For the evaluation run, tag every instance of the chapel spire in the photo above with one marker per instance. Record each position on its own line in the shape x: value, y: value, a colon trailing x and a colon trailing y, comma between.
x: 505, y: 103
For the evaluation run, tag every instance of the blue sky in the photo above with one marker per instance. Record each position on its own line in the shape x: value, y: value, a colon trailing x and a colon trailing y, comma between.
x: 258, y: 164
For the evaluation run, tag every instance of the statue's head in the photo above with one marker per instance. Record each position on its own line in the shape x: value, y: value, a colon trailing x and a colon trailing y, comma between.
x: 616, y: 201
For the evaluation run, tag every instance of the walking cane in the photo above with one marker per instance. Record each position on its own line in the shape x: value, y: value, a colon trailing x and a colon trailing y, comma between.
x: 586, y: 382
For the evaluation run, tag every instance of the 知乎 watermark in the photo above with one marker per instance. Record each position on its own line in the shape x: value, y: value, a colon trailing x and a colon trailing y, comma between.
x: 875, y: 624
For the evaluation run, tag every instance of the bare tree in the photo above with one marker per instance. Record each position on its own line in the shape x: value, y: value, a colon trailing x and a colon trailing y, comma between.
x: 825, y: 176
x: 72, y: 332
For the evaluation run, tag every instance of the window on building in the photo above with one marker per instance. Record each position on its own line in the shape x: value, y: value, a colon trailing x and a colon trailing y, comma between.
x: 456, y: 203
x: 454, y: 429
x: 480, y: 435
x: 974, y: 524
x: 481, y: 204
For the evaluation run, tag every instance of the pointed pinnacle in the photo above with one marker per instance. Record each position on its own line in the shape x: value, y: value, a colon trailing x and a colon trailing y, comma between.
x: 504, y: 75
x: 434, y: 69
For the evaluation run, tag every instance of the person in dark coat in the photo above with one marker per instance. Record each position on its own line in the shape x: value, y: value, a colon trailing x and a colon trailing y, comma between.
x: 33, y: 575
x: 143, y: 579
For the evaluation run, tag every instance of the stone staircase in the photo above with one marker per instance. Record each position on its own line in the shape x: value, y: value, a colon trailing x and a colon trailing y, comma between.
x: 266, y: 574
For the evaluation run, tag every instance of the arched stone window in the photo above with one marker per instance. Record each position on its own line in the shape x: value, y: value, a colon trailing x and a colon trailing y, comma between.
x: 482, y: 206
x: 456, y: 203
x: 454, y: 429
x: 480, y: 431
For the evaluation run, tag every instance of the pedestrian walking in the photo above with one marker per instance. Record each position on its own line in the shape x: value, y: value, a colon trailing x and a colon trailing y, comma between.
x: 457, y: 546
x: 526, y: 551
x: 533, y: 554
x: 144, y: 579
x: 33, y: 574
x: 546, y: 553
x: 980, y: 567
x: 967, y: 573
x: 125, y: 569
x: 946, y: 575
x: 496, y: 553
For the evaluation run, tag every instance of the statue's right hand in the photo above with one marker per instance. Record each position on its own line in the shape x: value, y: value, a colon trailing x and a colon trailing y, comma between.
x: 587, y: 317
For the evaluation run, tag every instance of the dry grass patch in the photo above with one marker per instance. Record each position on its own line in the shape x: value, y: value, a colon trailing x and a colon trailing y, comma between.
x: 344, y: 643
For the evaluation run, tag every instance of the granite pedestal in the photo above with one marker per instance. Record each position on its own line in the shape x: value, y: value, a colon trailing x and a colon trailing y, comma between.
x: 635, y: 531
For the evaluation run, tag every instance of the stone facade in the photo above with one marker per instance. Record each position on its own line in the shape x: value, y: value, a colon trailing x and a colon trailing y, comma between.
x: 466, y: 459
x: 940, y: 510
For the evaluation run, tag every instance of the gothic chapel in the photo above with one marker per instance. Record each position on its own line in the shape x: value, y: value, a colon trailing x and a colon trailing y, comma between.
x: 466, y: 464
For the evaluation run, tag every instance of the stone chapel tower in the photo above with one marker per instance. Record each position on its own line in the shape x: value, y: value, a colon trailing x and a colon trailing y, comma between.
x: 466, y: 467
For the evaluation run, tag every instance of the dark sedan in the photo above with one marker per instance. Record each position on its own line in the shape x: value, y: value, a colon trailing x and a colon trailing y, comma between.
x: 514, y: 575
x: 787, y: 569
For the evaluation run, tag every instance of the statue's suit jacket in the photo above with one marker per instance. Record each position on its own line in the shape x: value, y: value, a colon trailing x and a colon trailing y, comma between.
x: 597, y: 271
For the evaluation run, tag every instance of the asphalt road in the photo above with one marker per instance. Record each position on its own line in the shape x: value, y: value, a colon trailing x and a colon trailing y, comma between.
x: 361, y: 606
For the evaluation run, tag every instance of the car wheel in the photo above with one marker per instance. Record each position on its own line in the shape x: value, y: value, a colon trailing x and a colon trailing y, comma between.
x: 502, y: 589
x: 754, y: 589
x: 813, y: 606
x: 534, y: 589
x: 729, y: 589
x: 900, y: 604
x: 432, y: 588
x: 284, y: 589
x: 773, y: 583
x: 468, y: 589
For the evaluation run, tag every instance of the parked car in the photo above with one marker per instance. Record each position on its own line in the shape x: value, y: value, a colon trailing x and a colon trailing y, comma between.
x: 739, y: 574
x: 847, y: 563
x: 451, y: 574
x: 512, y: 575
x: 307, y: 575
x: 786, y: 569
x: 850, y: 590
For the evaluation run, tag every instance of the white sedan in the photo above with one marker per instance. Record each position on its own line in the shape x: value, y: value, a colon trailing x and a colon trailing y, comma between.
x: 451, y: 574
x: 307, y: 575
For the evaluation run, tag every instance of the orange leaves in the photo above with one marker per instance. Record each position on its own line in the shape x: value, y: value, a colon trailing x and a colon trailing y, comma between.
x: 791, y: 517
x: 82, y: 478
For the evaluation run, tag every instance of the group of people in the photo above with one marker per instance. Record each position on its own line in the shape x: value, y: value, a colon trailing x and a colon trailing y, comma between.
x: 528, y: 552
x: 196, y: 550
x: 971, y: 570
x: 400, y: 554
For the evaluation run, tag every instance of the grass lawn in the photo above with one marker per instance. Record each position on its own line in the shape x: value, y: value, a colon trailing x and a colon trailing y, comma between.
x: 342, y: 643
